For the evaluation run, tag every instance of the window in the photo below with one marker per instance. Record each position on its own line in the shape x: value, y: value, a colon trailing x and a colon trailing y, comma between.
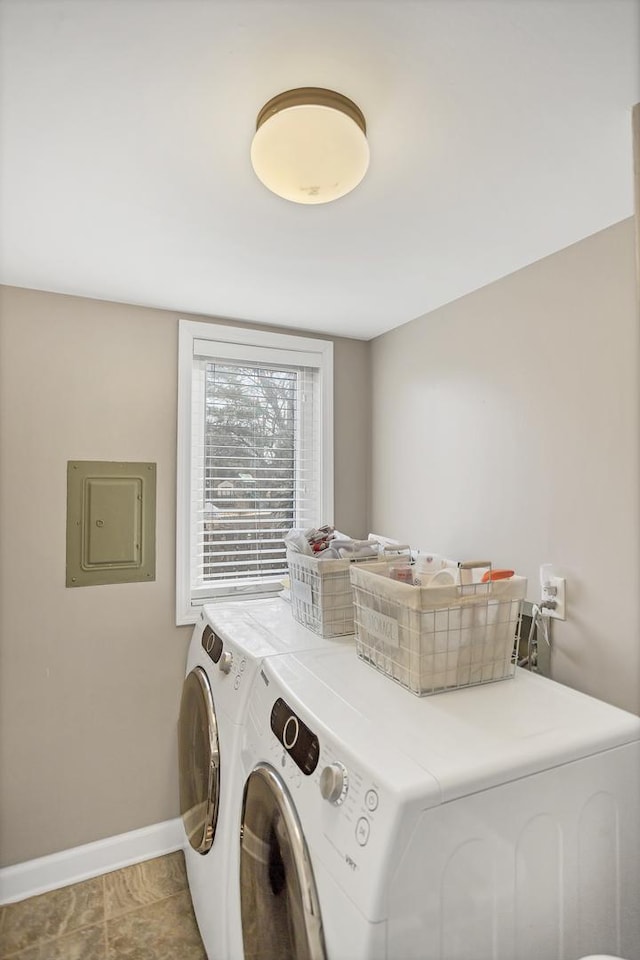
x: 255, y: 457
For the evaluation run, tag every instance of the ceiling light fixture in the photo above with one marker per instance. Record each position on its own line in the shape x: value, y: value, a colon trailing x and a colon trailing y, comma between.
x: 310, y: 145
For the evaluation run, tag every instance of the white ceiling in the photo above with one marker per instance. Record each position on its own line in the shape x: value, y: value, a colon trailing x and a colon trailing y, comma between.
x: 499, y: 133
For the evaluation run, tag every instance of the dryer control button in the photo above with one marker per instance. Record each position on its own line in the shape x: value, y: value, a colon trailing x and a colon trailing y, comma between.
x: 363, y: 829
x: 334, y: 783
x: 226, y: 661
x: 371, y: 800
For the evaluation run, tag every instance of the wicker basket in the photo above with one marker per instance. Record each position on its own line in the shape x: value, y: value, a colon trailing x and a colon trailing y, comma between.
x: 430, y: 639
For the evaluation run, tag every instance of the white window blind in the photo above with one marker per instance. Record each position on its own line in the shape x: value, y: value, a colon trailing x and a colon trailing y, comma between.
x: 258, y: 459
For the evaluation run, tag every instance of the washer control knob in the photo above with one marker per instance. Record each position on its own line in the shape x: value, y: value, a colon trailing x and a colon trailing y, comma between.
x: 334, y: 783
x: 226, y: 661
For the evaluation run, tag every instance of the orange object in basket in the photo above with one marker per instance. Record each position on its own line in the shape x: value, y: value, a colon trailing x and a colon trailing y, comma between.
x: 497, y: 575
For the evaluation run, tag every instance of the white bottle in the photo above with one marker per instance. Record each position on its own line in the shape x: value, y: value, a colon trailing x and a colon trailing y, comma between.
x: 426, y: 565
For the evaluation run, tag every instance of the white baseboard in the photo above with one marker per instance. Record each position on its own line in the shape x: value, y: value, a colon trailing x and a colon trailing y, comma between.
x: 81, y: 863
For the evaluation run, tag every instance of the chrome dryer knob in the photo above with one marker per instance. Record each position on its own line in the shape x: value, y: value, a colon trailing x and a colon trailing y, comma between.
x: 334, y: 783
x: 226, y: 661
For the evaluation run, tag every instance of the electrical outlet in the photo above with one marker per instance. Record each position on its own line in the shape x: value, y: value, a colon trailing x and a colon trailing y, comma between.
x: 553, y: 593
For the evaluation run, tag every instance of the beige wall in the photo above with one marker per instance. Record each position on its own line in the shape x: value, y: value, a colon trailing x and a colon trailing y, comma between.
x: 506, y: 425
x: 635, y: 124
x: 91, y: 677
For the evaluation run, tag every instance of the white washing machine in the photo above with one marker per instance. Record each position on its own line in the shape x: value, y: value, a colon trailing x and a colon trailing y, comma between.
x: 227, y: 647
x: 497, y: 822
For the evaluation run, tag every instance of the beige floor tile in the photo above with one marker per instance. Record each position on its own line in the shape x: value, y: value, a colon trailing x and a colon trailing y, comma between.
x: 165, y: 930
x: 50, y: 915
x: 86, y: 944
x: 31, y: 953
x: 144, y: 883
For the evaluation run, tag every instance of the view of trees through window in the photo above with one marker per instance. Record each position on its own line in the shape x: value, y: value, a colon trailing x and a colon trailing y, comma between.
x: 249, y: 469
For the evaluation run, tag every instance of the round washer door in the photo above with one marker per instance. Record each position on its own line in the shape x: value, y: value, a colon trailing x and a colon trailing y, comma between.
x: 280, y: 909
x: 199, y: 761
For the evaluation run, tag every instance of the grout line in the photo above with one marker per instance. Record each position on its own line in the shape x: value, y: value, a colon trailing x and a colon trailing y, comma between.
x: 126, y: 910
x: 145, y: 906
x: 138, y: 909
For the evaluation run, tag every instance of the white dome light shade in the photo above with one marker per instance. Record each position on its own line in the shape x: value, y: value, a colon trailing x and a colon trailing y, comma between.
x: 310, y: 145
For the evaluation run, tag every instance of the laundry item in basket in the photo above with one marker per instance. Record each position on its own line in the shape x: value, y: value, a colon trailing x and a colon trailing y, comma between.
x: 312, y: 540
x: 326, y: 543
x: 353, y: 549
x: 296, y: 541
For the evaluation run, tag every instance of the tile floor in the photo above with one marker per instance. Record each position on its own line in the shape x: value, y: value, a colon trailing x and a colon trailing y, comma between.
x: 142, y: 912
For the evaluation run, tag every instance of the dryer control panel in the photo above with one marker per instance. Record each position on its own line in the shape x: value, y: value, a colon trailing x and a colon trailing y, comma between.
x: 212, y: 644
x: 295, y: 736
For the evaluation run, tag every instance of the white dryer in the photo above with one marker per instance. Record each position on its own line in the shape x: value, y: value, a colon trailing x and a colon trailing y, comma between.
x: 228, y: 646
x: 498, y: 822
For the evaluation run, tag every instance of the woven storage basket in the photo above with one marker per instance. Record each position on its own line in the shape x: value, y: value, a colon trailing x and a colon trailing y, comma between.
x: 430, y: 639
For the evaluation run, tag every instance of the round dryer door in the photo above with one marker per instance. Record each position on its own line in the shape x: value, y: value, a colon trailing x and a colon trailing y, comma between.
x: 280, y: 909
x: 199, y: 761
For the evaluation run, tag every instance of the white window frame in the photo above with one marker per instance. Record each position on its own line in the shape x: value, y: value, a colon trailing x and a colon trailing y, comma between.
x: 239, y: 343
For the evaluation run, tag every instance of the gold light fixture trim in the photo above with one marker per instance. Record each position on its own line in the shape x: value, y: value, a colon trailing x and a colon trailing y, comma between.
x: 310, y: 145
